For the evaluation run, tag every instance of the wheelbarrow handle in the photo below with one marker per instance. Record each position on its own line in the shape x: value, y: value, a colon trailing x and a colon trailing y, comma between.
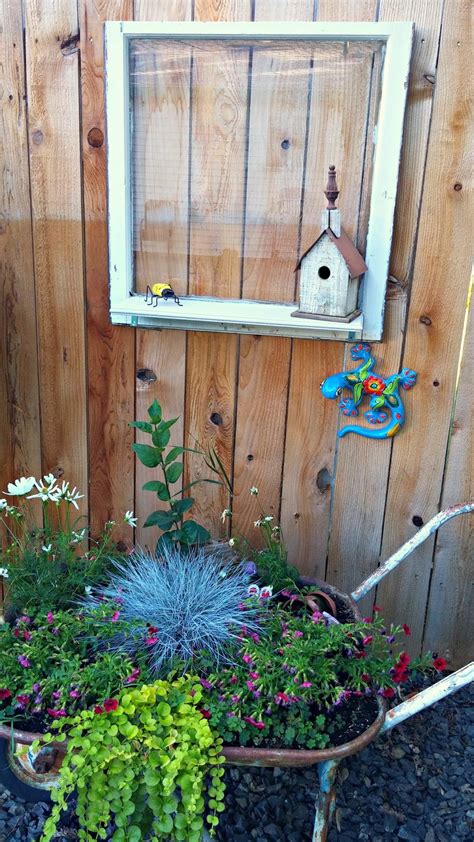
x: 400, y: 555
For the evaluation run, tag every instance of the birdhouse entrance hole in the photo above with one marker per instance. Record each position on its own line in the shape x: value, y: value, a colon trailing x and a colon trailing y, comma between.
x: 324, y: 272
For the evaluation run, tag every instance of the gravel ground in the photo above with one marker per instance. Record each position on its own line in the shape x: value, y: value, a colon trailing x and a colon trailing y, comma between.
x: 415, y: 784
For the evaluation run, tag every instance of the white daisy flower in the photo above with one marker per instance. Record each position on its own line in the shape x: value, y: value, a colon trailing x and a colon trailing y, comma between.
x: 109, y: 524
x: 47, y: 548
x: 72, y: 496
x: 231, y: 542
x: 268, y: 518
x: 257, y: 523
x: 20, y: 486
x: 226, y: 513
x: 130, y: 519
x: 88, y: 590
x: 4, y: 572
x: 45, y: 492
x: 3, y: 504
x: 77, y: 537
x: 254, y: 490
x: 49, y: 479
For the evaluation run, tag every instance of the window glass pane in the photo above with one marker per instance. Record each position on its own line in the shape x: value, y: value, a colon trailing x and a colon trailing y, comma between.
x: 231, y: 143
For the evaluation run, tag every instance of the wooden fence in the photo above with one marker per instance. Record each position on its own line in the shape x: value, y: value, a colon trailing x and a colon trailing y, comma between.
x: 70, y: 382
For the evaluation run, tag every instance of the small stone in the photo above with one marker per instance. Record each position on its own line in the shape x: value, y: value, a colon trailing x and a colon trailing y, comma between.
x: 397, y: 752
x: 429, y: 835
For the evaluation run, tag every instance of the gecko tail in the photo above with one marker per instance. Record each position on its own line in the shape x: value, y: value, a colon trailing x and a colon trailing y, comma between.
x: 382, y: 433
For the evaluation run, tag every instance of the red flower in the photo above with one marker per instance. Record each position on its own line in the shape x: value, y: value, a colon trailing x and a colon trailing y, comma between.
x: 406, y: 629
x: 205, y: 713
x: 388, y: 693
x: 99, y: 709
x: 404, y: 659
x: 152, y: 629
x: 377, y: 609
x: 110, y: 704
x: 367, y: 639
x: 440, y: 664
x: 56, y: 714
x: 360, y: 655
x: 373, y: 385
x: 4, y: 694
x: 399, y: 676
x: 365, y: 677
x: 282, y: 697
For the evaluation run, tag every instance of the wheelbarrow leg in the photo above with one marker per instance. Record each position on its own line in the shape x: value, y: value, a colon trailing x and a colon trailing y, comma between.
x: 326, y: 799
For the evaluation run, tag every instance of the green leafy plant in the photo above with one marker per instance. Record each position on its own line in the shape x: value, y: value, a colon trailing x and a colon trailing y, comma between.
x: 284, y: 686
x: 142, y: 761
x: 48, y: 566
x: 175, y: 528
x: 49, y: 668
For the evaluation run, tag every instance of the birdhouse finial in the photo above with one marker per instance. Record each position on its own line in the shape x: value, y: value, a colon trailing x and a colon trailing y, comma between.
x: 331, y: 192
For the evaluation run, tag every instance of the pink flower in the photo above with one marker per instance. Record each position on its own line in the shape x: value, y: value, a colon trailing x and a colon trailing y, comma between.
x: 23, y: 660
x: 115, y: 616
x: 367, y: 619
x: 22, y: 700
x: 235, y: 699
x: 233, y: 679
x: 254, y: 675
x: 56, y: 714
x: 255, y: 637
x: 254, y: 722
x: 151, y: 640
x: 247, y: 659
x: 306, y: 684
x: 25, y: 619
x: 299, y: 634
x: 316, y: 616
x: 133, y: 676
x: 367, y: 639
x: 26, y: 635
x: 4, y: 694
x: 74, y: 694
x: 250, y: 685
x: 282, y: 698
x: 50, y: 617
x: 56, y: 694
x: 110, y: 704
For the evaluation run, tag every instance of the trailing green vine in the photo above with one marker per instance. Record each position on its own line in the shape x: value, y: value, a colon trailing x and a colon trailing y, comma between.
x: 141, y: 761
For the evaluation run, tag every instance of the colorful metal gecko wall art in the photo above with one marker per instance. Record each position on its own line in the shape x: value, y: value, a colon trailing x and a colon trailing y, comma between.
x: 385, y: 401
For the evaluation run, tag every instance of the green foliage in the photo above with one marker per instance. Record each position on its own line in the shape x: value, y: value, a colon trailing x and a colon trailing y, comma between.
x: 272, y: 562
x: 48, y: 667
x: 147, y: 761
x: 49, y: 566
x: 176, y: 530
x: 284, y: 685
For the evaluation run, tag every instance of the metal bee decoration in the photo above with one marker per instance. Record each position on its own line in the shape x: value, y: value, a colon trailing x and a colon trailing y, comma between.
x: 157, y: 291
x: 385, y: 402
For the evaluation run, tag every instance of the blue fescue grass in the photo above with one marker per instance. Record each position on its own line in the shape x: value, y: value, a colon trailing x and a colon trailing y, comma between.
x: 197, y: 601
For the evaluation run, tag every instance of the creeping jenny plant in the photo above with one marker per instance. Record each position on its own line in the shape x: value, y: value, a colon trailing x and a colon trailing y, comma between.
x: 142, y: 761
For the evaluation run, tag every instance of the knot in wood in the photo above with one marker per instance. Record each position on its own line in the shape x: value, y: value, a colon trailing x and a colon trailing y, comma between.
x: 95, y: 137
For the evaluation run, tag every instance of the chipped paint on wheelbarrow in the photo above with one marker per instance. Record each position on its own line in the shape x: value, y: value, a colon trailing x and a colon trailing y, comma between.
x: 327, y: 760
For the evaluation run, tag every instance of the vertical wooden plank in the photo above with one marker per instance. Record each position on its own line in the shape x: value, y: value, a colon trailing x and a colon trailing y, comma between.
x: 55, y: 166
x: 161, y: 355
x: 277, y: 138
x: 363, y: 465
x: 450, y: 619
x: 20, y: 448
x: 437, y: 308
x: 308, y: 473
x: 217, y: 194
x: 110, y: 349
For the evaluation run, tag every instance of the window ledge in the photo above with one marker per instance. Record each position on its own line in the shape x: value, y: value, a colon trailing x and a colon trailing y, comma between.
x: 230, y: 316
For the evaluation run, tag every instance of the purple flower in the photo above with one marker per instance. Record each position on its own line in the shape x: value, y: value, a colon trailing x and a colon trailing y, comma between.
x: 56, y: 694
x: 255, y: 637
x: 36, y: 687
x: 74, y: 694
x: 50, y: 617
x: 25, y: 619
x: 250, y: 568
x: 230, y: 713
x: 205, y: 683
x: 23, y: 660
x: 299, y: 634
x: 55, y: 631
x: 115, y: 616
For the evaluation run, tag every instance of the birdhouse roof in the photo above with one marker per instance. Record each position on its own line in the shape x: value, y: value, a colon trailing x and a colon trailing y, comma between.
x: 352, y: 258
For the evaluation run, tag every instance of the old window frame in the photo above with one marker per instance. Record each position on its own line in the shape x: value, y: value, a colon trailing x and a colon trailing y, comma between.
x: 243, y: 315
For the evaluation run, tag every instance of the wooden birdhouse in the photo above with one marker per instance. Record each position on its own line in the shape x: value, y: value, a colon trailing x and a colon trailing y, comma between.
x: 330, y: 269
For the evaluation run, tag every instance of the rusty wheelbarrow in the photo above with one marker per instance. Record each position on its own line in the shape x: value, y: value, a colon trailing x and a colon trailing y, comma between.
x: 33, y: 774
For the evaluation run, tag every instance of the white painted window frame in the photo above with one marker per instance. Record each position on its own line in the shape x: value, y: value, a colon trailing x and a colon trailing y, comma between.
x: 245, y: 316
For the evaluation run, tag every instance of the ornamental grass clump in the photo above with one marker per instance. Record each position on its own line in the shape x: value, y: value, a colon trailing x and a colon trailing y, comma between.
x: 147, y: 761
x: 177, y: 606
